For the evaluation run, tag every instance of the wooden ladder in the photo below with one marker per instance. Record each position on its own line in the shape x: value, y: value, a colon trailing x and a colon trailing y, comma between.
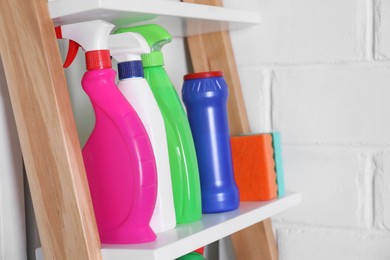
x: 49, y: 141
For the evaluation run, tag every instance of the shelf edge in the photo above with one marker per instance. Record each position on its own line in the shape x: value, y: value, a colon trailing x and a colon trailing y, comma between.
x: 199, y: 239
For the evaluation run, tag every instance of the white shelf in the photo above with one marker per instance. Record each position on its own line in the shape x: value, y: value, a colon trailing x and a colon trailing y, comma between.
x: 180, y: 19
x: 212, y: 227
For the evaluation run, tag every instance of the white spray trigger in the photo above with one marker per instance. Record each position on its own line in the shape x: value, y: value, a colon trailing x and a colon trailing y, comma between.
x: 91, y: 35
x: 127, y: 46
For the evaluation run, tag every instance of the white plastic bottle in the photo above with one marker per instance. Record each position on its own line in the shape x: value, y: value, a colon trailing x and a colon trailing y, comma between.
x: 127, y: 48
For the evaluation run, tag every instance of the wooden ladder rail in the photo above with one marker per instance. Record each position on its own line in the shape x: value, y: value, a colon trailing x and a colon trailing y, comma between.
x: 47, y: 131
x: 213, y: 51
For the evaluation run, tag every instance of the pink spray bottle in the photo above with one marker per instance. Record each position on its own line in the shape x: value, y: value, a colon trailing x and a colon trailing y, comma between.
x: 118, y: 156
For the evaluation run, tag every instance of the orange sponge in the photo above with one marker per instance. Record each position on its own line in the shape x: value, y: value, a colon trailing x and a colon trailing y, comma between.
x: 254, y: 166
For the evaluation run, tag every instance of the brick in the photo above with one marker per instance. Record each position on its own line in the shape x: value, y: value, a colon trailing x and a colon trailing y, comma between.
x: 256, y: 89
x: 324, y: 244
x: 335, y: 187
x: 382, y: 190
x: 301, y: 31
x: 382, y: 29
x: 332, y: 105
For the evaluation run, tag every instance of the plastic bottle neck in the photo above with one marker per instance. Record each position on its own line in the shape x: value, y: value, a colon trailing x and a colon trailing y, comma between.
x: 99, y: 59
x: 130, y: 69
x: 155, y: 58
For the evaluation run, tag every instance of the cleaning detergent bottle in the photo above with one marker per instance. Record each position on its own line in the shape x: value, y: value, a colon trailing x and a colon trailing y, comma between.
x: 118, y: 156
x: 205, y: 96
x: 127, y: 48
x: 182, y: 155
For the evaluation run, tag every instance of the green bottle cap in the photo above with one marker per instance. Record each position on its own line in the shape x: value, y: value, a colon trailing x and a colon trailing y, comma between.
x: 155, y: 58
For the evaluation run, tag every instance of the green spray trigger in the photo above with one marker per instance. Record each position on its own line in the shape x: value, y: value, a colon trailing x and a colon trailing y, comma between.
x: 156, y: 37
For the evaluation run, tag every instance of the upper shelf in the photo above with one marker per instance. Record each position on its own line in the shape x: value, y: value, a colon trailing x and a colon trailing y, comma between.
x: 180, y: 19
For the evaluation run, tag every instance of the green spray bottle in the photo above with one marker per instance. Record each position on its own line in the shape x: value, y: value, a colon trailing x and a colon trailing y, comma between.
x: 181, y: 149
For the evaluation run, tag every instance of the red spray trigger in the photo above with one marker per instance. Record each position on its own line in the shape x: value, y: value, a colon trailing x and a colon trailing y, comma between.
x: 58, y: 32
x: 72, y: 49
x: 72, y: 52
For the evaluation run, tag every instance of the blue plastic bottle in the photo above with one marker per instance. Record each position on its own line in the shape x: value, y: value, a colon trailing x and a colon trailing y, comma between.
x: 205, y: 96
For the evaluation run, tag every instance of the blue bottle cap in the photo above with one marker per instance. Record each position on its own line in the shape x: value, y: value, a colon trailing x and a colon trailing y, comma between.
x: 130, y: 69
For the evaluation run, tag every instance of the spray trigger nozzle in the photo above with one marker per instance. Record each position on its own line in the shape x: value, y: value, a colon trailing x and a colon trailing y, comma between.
x: 92, y: 37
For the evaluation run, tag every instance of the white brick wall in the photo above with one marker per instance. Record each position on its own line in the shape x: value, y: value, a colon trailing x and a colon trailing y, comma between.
x: 257, y: 96
x: 382, y: 191
x: 382, y: 29
x: 324, y: 244
x: 302, y: 31
x: 339, y: 104
x: 319, y: 72
x: 335, y: 184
